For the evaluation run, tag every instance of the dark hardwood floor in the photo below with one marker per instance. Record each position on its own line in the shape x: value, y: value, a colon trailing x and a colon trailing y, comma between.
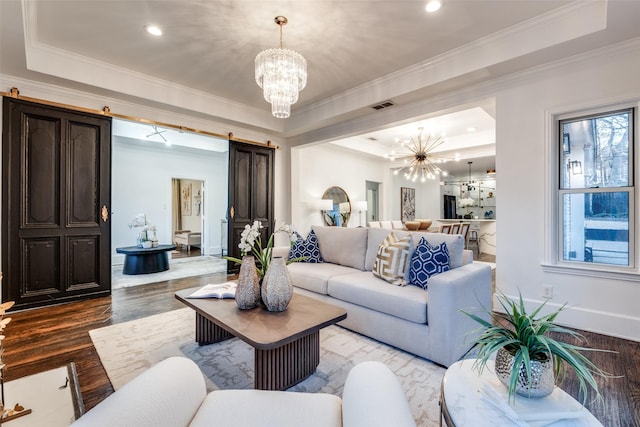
x: 45, y: 338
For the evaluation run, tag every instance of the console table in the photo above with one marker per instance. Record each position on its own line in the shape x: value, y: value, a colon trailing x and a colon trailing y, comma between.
x: 462, y: 403
x: 145, y: 260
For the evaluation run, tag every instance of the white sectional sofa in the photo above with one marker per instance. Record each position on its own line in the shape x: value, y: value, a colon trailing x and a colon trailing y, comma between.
x: 172, y: 393
x: 427, y: 323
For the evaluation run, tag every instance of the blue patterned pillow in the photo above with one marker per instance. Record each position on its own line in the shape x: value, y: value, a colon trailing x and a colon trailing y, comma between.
x: 428, y: 261
x: 306, y: 248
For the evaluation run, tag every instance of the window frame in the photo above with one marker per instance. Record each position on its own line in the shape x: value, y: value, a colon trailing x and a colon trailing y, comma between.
x: 555, y: 261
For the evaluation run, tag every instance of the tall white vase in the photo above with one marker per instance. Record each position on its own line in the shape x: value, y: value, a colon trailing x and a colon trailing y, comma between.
x: 277, y: 288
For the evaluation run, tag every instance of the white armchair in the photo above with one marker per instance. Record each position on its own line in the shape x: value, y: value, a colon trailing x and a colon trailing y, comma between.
x: 188, y: 238
x: 173, y: 393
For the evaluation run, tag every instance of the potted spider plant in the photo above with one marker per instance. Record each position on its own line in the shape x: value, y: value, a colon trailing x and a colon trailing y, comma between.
x: 521, y: 340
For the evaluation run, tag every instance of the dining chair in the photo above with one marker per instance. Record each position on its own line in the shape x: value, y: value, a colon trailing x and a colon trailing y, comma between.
x: 455, y: 228
x: 464, y: 230
x: 445, y: 228
x: 397, y: 225
x: 473, y: 238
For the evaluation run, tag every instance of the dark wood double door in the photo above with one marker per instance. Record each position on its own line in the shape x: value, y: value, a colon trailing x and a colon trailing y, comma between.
x: 251, y: 193
x: 56, y: 237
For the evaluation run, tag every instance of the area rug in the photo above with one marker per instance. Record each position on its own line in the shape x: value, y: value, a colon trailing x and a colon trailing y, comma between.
x: 178, y: 269
x: 126, y: 349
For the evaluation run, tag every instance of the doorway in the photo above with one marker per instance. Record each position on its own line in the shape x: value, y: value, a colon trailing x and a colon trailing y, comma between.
x: 187, y: 217
x: 146, y: 162
x: 373, y: 203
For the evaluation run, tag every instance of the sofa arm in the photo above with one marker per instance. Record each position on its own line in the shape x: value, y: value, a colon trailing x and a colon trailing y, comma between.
x: 451, y: 331
x: 372, y: 396
x: 167, y: 394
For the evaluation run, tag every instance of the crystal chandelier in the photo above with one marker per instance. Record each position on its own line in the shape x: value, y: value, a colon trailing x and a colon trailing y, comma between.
x: 422, y: 163
x: 282, y: 74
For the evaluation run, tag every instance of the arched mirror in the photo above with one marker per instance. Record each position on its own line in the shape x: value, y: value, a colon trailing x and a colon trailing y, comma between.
x: 341, y: 208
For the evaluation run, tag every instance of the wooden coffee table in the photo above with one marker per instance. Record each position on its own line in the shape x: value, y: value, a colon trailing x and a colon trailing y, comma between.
x: 287, y: 344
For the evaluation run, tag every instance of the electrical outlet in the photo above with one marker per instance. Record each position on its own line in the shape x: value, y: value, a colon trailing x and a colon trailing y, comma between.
x: 547, y: 291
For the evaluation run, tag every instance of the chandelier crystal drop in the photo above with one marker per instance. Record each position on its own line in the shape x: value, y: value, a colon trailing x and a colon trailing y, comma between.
x: 282, y: 74
x: 422, y: 163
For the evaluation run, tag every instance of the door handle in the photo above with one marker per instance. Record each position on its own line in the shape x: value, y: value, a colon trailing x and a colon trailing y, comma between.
x: 104, y: 213
x: 232, y: 212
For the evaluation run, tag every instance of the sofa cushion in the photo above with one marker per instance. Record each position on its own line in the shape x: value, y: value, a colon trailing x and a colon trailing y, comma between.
x: 314, y: 277
x: 306, y: 248
x: 366, y: 290
x: 392, y: 259
x: 427, y: 261
x: 341, y: 245
x: 246, y: 408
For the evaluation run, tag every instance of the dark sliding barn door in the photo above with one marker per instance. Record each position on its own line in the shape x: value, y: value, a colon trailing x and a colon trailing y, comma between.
x: 250, y: 192
x: 56, y: 197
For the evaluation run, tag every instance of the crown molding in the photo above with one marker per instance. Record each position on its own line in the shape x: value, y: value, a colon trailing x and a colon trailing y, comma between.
x: 576, y: 20
x: 78, y: 68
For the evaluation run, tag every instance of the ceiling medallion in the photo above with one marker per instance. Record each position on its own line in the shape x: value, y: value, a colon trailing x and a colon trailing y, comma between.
x: 282, y: 74
x: 422, y: 163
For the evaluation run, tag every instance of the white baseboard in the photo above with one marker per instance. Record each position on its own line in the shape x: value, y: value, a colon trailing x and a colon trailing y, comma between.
x: 597, y: 321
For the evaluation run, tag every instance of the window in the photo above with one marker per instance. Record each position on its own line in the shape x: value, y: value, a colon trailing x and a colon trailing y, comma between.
x: 596, y: 192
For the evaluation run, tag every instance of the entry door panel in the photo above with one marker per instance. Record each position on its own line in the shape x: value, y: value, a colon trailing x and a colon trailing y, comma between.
x: 250, y: 193
x: 57, y: 198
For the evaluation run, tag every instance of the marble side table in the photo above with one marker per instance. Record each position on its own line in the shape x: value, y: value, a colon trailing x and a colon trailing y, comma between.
x: 462, y: 403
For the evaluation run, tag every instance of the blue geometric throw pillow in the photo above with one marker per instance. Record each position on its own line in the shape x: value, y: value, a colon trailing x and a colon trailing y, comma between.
x: 428, y: 261
x: 306, y: 248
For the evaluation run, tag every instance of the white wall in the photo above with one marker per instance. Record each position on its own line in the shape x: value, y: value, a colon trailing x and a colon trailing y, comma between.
x: 316, y: 168
x: 525, y: 145
x: 428, y: 200
x: 141, y: 183
x: 322, y: 166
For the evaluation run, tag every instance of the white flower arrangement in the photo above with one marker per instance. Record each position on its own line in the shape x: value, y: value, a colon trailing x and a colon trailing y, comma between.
x: 148, y: 229
x: 139, y: 220
x: 251, y: 243
x: 464, y: 203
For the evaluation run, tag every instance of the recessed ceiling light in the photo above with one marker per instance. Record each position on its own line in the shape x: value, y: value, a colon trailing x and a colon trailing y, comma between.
x: 153, y: 29
x: 433, y: 5
x: 471, y: 129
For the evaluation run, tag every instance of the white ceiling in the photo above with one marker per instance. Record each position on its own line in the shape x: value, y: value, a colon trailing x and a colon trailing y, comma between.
x: 359, y: 53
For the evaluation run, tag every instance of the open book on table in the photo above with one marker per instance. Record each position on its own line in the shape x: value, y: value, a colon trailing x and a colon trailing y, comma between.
x: 217, y: 290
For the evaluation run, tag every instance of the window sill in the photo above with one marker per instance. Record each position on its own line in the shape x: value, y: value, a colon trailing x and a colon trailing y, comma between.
x: 602, y: 272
